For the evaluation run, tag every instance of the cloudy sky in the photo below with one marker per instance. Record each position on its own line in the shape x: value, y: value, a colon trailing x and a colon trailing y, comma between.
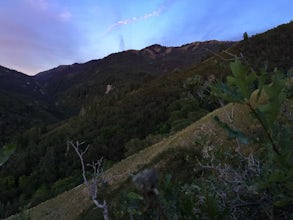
x: 37, y: 35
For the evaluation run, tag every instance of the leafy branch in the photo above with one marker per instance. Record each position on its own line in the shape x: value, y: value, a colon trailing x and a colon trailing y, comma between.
x: 239, y: 88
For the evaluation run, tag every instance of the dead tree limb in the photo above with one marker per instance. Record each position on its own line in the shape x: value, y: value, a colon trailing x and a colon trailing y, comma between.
x: 92, y: 186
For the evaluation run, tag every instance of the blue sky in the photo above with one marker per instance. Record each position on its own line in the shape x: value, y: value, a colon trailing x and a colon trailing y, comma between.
x: 37, y: 35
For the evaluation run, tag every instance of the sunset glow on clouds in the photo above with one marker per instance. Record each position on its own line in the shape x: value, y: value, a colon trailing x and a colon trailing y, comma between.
x: 37, y: 35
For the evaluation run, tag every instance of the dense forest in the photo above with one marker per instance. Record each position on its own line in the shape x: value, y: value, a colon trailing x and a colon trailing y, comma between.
x: 155, y: 93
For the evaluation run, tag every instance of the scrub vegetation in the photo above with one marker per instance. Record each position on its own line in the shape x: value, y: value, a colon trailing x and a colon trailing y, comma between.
x: 217, y: 132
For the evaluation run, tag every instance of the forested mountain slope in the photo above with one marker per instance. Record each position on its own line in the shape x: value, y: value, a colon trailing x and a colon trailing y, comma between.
x: 21, y: 104
x: 150, y: 100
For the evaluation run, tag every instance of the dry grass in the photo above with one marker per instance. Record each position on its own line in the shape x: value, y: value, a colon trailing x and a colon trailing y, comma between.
x: 70, y: 204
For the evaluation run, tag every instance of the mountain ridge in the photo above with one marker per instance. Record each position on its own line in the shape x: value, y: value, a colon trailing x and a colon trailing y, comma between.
x: 143, y: 108
x: 83, y: 81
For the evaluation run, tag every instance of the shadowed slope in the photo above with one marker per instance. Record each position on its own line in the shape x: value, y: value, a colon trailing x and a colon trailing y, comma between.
x: 72, y: 203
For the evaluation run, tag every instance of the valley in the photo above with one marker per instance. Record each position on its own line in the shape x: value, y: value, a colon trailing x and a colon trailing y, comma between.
x: 160, y: 112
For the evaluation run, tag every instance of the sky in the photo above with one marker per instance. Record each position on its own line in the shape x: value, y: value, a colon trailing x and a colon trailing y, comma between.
x: 37, y: 35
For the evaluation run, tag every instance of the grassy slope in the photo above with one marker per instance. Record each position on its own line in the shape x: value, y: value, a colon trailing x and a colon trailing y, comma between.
x: 70, y: 204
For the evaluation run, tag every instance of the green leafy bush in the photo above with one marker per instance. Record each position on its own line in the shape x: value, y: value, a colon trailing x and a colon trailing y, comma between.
x: 236, y: 183
x: 275, y: 178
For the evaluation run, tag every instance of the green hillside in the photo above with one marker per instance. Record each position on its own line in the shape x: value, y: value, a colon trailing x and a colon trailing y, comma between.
x: 179, y: 151
x: 64, y: 91
x: 165, y: 155
x: 130, y: 117
x: 143, y: 121
x: 22, y: 105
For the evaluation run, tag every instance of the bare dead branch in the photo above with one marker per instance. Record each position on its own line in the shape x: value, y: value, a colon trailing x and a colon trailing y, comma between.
x: 92, y: 186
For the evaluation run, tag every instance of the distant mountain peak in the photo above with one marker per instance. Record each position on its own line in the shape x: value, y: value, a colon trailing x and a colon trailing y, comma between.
x: 154, y: 51
x: 155, y: 47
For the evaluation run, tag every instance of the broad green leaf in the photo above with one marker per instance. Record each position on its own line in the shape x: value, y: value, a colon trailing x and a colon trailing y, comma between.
x: 239, y: 85
x: 261, y: 81
x: 276, y: 96
x: 242, y: 78
x: 6, y: 152
x: 262, y: 117
x: 239, y: 69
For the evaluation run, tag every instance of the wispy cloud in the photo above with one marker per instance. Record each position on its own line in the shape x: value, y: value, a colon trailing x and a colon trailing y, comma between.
x: 46, y: 33
x: 134, y: 19
x: 65, y: 16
